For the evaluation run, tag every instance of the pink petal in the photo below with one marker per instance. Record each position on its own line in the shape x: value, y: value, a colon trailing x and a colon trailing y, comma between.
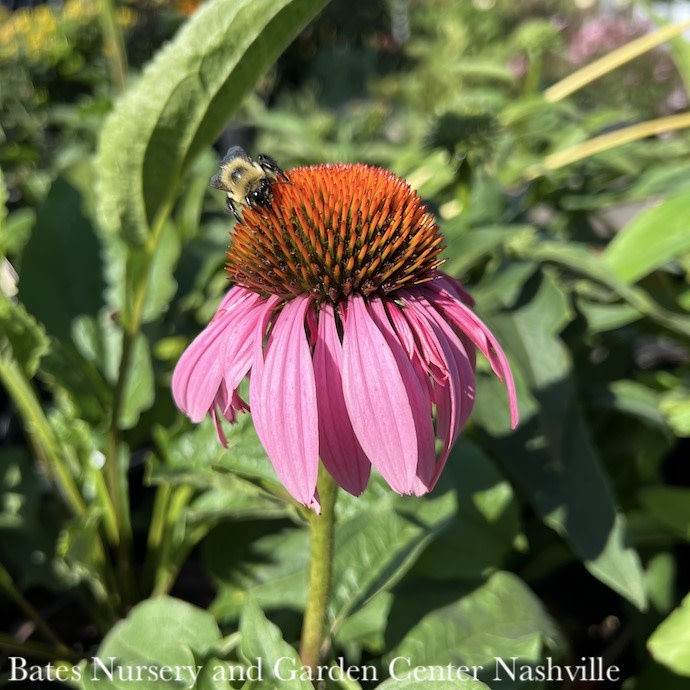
x: 416, y: 380
x: 454, y: 287
x: 339, y: 448
x: 466, y: 321
x: 454, y: 396
x: 222, y: 344
x: 283, y: 398
x: 377, y: 400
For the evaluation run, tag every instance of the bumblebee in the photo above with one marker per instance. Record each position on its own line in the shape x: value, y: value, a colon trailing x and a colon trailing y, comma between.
x: 246, y: 182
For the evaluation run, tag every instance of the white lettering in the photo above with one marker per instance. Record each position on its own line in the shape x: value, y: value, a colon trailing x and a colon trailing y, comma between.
x: 18, y: 663
x: 511, y: 671
x: 393, y: 670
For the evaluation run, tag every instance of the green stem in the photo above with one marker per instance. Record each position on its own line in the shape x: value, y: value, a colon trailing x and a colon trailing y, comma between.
x: 604, y: 142
x: 116, y: 488
x: 40, y: 434
x: 132, y: 318
x: 113, y: 46
x: 156, y: 537
x: 320, y: 573
x: 169, y: 556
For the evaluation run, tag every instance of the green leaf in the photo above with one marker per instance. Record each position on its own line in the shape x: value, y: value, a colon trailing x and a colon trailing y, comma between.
x: 670, y: 506
x: 262, y: 643
x: 139, y: 393
x: 660, y: 578
x: 60, y: 276
x: 100, y: 343
x: 267, y: 564
x: 241, y: 475
x: 634, y: 399
x: 16, y: 231
x: 28, y: 523
x: 22, y: 339
x: 501, y: 618
x: 465, y: 249
x: 606, y: 317
x: 582, y: 262
x: 157, y: 634
x: 675, y: 407
x: 81, y: 558
x: 181, y: 103
x: 670, y: 642
x: 486, y: 522
x: 375, y: 547
x: 550, y: 455
x: 651, y: 239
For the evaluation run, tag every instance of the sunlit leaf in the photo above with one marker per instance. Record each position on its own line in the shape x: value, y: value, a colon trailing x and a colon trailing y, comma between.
x: 669, y: 642
x: 653, y: 238
x: 263, y: 642
x: 157, y: 633
x: 181, y: 103
x: 501, y: 618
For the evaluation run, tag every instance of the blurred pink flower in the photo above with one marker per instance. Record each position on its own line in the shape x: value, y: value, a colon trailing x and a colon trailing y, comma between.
x: 360, y: 351
x: 602, y: 34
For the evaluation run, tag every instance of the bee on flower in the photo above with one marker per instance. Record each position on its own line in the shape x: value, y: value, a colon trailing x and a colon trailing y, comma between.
x: 360, y: 352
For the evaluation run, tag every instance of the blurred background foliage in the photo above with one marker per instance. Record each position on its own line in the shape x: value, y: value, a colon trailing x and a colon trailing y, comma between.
x: 567, y: 538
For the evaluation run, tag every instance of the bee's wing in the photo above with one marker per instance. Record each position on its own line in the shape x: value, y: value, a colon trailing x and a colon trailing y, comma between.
x: 217, y: 182
x: 235, y: 152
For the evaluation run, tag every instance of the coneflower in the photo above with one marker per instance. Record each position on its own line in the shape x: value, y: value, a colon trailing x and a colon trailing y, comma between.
x: 360, y: 351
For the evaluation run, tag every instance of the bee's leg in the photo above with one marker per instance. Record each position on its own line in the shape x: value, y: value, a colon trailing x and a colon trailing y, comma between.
x: 231, y: 207
x: 269, y: 164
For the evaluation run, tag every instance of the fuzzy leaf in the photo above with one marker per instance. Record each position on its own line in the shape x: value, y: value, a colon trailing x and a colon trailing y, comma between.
x: 182, y: 102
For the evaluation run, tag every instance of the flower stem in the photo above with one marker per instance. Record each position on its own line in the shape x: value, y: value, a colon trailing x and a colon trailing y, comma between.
x: 320, y: 572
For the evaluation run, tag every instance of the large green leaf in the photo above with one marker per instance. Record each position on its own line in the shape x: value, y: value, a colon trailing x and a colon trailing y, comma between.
x: 376, y: 546
x: 550, y: 455
x: 163, y: 633
x: 501, y: 618
x: 654, y: 237
x: 181, y: 103
x: 60, y: 276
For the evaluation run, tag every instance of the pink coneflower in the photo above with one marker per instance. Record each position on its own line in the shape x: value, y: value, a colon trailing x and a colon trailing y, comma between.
x: 360, y: 351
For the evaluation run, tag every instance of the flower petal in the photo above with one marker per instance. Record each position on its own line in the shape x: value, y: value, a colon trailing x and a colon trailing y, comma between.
x: 417, y: 386
x: 467, y: 322
x: 339, y: 448
x: 282, y: 394
x: 454, y: 394
x: 377, y: 400
x: 203, y: 365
